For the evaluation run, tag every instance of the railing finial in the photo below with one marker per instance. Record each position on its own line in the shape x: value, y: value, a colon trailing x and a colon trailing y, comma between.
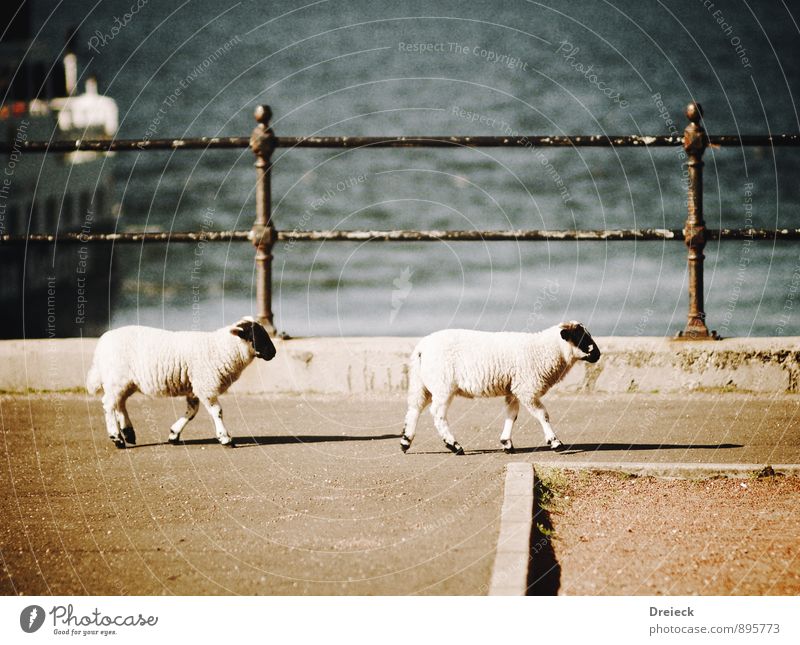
x: 694, y: 112
x: 263, y: 114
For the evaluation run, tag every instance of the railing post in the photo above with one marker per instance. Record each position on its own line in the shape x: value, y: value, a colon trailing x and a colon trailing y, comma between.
x: 695, y: 142
x: 262, y: 142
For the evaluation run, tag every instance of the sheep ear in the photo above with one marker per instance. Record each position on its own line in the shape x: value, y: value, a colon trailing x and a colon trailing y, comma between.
x: 243, y: 329
x: 566, y: 333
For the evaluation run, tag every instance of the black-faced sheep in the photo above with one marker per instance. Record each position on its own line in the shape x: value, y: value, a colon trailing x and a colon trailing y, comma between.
x: 194, y: 364
x: 517, y: 366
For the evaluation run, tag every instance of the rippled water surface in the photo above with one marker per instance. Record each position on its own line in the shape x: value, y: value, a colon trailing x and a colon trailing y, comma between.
x: 350, y: 68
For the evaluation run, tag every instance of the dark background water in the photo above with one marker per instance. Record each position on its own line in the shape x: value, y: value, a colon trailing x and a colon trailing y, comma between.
x: 341, y: 68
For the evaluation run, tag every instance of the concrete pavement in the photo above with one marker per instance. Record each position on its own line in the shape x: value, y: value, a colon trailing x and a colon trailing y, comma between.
x: 317, y: 497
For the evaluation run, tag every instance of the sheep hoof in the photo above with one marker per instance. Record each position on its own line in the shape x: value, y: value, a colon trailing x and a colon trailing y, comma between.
x: 508, y: 447
x: 455, y: 448
x: 405, y: 444
x: 118, y: 442
x: 129, y: 435
x: 555, y: 444
x: 174, y: 439
x: 227, y: 442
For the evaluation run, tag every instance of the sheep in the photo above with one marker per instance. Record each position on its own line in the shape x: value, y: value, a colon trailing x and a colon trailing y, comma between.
x: 156, y: 362
x: 518, y: 366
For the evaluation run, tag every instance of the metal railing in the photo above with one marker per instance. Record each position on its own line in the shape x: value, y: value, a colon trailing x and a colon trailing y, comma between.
x: 263, y: 234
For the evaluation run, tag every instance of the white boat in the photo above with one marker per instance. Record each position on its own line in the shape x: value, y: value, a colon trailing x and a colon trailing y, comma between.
x: 49, y: 290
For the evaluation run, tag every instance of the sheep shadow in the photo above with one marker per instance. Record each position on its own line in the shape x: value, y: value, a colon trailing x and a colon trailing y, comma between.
x: 271, y: 440
x: 576, y: 448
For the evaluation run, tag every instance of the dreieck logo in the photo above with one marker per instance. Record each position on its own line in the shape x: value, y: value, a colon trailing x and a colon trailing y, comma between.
x: 31, y: 618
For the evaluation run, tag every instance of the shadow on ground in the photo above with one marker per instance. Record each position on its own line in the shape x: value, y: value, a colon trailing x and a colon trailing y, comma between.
x: 544, y: 571
x: 242, y: 442
x: 576, y: 448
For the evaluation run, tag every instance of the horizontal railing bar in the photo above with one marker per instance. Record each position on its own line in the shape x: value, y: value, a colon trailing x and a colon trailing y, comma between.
x: 479, y: 142
x: 533, y: 141
x: 126, y: 145
x: 415, y: 141
x: 647, y: 234
x: 476, y: 236
x: 139, y: 236
x: 753, y: 233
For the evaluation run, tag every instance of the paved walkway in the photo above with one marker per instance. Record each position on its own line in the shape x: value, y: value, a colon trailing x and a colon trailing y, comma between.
x: 317, y: 497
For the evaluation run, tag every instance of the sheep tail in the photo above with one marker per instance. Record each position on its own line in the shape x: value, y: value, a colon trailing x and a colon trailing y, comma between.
x: 417, y: 392
x: 93, y: 381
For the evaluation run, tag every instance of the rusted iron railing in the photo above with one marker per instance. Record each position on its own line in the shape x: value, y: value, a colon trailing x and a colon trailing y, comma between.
x: 427, y: 141
x: 522, y: 235
x: 263, y: 235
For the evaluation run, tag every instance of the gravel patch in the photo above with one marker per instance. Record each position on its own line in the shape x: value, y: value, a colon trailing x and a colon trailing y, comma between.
x: 622, y: 535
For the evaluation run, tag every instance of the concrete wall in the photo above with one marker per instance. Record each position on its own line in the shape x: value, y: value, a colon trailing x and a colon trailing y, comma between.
x: 377, y: 366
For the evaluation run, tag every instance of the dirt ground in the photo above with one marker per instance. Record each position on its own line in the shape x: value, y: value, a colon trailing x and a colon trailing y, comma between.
x: 621, y: 535
x: 317, y: 498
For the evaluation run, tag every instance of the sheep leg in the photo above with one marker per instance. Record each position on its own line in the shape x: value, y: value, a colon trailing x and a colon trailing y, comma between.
x: 112, y: 425
x: 539, y: 412
x: 124, y: 422
x: 212, y: 405
x: 439, y: 411
x: 416, y: 405
x: 512, y: 411
x: 192, y: 406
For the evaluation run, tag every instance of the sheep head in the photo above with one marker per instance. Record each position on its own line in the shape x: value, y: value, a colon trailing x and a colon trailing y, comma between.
x: 583, y: 346
x: 252, y: 332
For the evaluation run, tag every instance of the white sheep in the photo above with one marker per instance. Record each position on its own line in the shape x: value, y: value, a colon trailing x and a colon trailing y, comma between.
x: 518, y: 366
x: 197, y: 365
